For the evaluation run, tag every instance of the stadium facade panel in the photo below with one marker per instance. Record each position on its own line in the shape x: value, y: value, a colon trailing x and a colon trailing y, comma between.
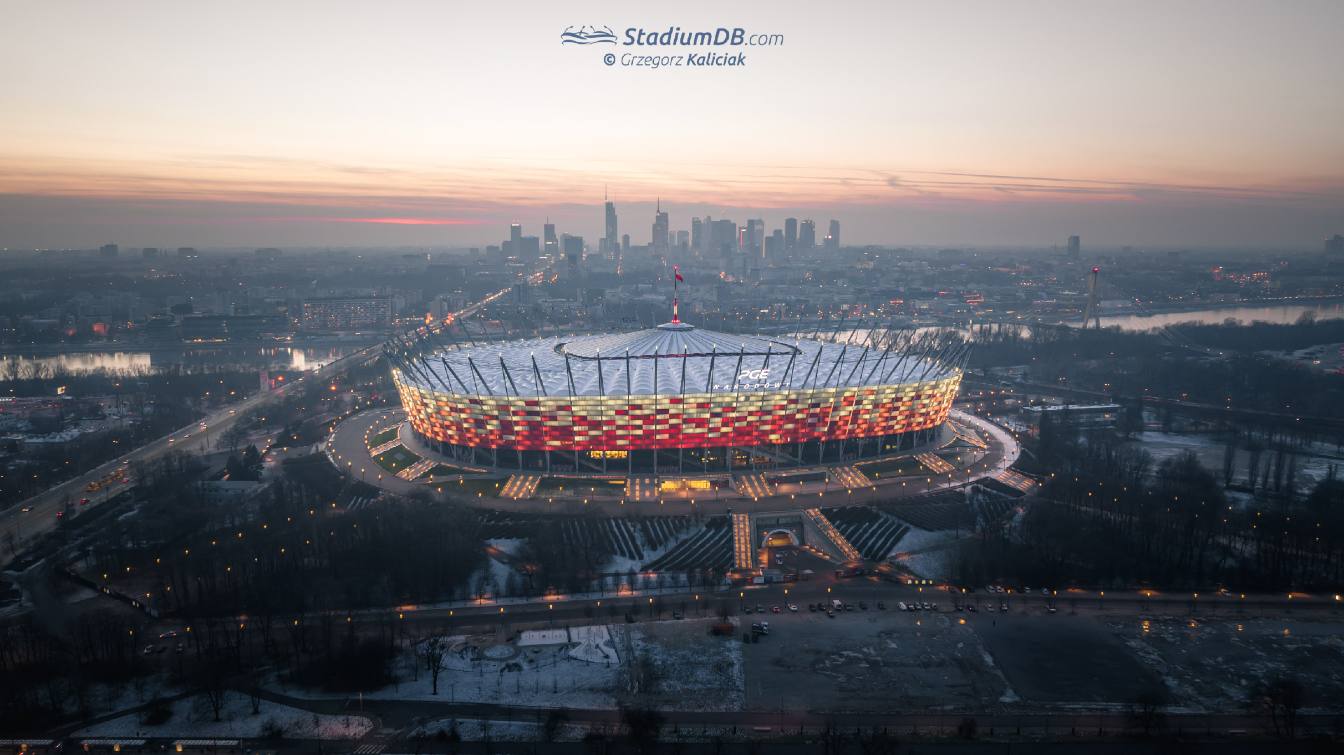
x: 675, y: 388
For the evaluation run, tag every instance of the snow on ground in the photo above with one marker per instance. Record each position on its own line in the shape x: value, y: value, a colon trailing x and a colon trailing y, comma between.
x: 593, y: 644
x: 193, y: 717
x: 481, y: 668
x: 920, y: 540
x: 927, y: 553
x: 496, y: 575
x: 509, y: 545
x: 477, y: 730
x: 543, y: 637
x: 1313, y: 460
x: 694, y: 671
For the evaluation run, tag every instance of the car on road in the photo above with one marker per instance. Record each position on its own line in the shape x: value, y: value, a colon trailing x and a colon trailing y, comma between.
x: 26, y: 509
x: 863, y: 605
x: 746, y: 609
x: 793, y: 608
x: 774, y: 609
x: 901, y: 605
x: 830, y: 614
x: 970, y: 607
x: 760, y: 608
x: 812, y: 607
x: 881, y: 606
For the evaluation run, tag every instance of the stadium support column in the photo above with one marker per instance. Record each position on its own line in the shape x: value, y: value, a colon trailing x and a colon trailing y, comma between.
x: 569, y: 378
x: 877, y: 396
x: 655, y: 417
x: 830, y: 415
x: 602, y: 412
x: 629, y: 452
x: 545, y: 441
x: 811, y: 375
x: 709, y: 389
x: 736, y: 398
x: 681, y: 446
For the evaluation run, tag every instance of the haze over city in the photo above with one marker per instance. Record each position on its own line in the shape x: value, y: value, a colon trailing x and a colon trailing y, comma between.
x: 702, y: 379
x: 315, y: 124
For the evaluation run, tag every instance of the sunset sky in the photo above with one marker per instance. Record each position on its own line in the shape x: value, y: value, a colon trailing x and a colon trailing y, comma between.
x: 437, y: 123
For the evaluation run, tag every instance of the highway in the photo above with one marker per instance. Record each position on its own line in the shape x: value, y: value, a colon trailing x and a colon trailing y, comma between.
x: 21, y: 524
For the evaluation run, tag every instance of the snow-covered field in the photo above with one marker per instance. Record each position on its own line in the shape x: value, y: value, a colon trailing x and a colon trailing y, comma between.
x: 193, y: 717
x: 926, y: 552
x: 580, y: 667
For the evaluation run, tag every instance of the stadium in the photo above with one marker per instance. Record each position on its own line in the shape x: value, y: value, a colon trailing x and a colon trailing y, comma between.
x: 675, y: 399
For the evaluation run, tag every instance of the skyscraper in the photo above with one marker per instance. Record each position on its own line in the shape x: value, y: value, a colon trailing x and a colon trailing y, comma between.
x: 1075, y: 247
x: 697, y: 234
x: 528, y: 248
x: 807, y: 236
x: 723, y: 238
x: 659, y: 242
x: 790, y: 235
x: 755, y: 238
x: 550, y: 245
x: 611, y: 241
x: 833, y: 238
x: 515, y: 234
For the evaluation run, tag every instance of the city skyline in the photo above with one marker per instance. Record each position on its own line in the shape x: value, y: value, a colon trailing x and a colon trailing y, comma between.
x: 1199, y: 125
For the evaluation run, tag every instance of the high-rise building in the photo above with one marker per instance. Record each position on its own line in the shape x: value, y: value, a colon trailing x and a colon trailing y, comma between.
x: 683, y: 243
x: 697, y: 234
x: 572, y: 246
x: 659, y: 243
x: 550, y: 245
x: 528, y: 248
x: 723, y: 238
x: 807, y: 236
x: 774, y: 245
x: 754, y: 245
x: 790, y: 235
x: 611, y: 239
x: 1335, y: 245
x: 1075, y: 247
x: 625, y: 242
x: 833, y: 237
x: 515, y: 235
x: 109, y: 250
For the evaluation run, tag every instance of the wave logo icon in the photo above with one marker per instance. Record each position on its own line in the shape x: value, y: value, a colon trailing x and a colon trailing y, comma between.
x: 588, y: 35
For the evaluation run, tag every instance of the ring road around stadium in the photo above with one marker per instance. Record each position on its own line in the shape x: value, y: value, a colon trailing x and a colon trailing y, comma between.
x: 674, y: 398
x: 671, y: 411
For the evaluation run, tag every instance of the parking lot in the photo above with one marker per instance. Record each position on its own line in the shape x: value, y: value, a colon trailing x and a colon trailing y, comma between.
x: 1027, y: 657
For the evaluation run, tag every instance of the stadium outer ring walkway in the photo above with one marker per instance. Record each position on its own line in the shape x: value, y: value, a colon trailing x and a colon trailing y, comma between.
x: 346, y: 450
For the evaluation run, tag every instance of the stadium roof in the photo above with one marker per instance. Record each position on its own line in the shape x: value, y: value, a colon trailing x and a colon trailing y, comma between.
x: 669, y: 359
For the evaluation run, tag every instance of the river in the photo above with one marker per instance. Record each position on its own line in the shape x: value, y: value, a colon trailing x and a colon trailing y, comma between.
x: 132, y: 363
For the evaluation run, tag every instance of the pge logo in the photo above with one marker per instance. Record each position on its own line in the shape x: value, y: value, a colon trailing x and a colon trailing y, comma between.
x: 746, y: 375
x: 588, y: 35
